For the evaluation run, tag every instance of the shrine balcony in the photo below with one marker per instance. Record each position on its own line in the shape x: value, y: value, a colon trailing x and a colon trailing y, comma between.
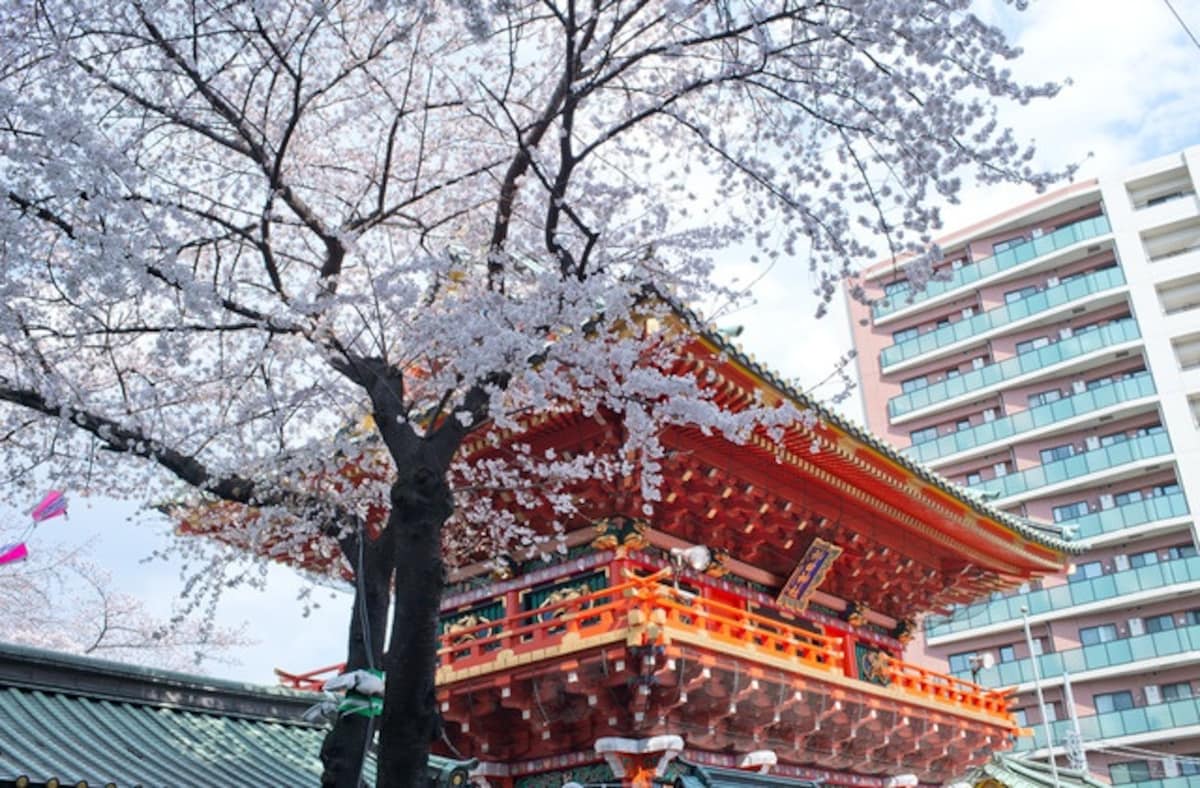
x: 649, y: 612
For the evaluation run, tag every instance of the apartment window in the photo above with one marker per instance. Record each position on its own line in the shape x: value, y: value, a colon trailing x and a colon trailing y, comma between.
x: 914, y: 384
x: 974, y: 478
x: 1008, y: 243
x: 1031, y: 344
x: 1181, y: 551
x: 1180, y: 690
x: 923, y: 435
x: 1017, y: 295
x: 1130, y: 496
x: 961, y: 662
x: 905, y: 334
x: 1044, y: 397
x: 1057, y: 453
x: 962, y: 424
x: 1022, y: 717
x: 1129, y: 772
x: 1096, y: 383
x: 1113, y: 437
x: 1190, y: 765
x: 1006, y: 654
x: 1052, y: 711
x: 1138, y: 560
x: 1141, y: 432
x: 952, y: 373
x: 1000, y: 469
x: 1159, y: 623
x: 898, y: 286
x: 1112, y: 701
x: 1102, y: 633
x: 1040, y: 645
x: 1069, y: 511
x: 1164, y: 489
x: 1086, y: 571
x: 1193, y: 618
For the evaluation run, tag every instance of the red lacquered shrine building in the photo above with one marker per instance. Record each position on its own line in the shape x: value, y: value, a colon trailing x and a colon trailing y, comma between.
x: 750, y: 630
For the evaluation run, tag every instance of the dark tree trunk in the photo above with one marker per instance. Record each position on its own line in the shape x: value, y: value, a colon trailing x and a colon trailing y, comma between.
x: 421, y: 503
x: 345, y: 745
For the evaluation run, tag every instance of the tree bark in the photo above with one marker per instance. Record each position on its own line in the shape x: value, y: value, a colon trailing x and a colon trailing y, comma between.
x: 345, y: 746
x: 421, y: 503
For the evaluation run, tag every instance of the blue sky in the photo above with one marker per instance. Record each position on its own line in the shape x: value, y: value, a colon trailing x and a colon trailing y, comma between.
x: 1135, y: 95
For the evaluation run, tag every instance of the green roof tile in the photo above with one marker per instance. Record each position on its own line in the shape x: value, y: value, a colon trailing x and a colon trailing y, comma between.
x: 84, y: 720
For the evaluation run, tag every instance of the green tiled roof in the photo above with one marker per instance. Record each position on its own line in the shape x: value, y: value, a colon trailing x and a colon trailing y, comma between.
x: 1017, y: 773
x: 80, y: 720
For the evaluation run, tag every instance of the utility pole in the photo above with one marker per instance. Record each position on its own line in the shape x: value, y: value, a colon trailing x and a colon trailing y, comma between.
x: 1076, y: 756
x: 1037, y: 686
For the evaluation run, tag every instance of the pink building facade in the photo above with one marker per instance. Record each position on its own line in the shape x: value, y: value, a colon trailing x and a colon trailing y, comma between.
x: 1052, y: 366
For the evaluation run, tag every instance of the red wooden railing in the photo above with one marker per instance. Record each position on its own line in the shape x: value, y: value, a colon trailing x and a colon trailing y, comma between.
x: 648, y: 610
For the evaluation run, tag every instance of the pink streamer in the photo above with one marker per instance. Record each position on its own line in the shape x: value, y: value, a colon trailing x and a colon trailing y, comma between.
x: 53, y: 505
x: 13, y: 552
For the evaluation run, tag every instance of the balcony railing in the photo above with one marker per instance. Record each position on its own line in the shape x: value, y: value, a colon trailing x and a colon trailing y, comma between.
x: 1064, y: 597
x: 1130, y: 722
x: 1114, y: 333
x: 1100, y: 655
x: 1009, y: 258
x: 1094, y: 399
x: 644, y: 611
x: 1036, y: 303
x: 1147, y: 510
x: 1165, y: 782
x: 1080, y: 465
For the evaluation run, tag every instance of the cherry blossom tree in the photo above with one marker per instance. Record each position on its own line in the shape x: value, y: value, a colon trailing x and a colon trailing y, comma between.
x: 59, y: 599
x: 230, y: 231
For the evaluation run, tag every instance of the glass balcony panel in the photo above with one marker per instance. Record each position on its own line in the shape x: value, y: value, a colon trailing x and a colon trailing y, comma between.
x: 1094, y: 657
x: 1082, y: 593
x: 1103, y: 396
x: 1013, y: 256
x: 1117, y: 653
x: 1114, y: 333
x: 1184, y: 712
x: 1074, y: 660
x: 1079, y: 465
x: 1158, y: 716
x: 1009, y: 673
x: 1180, y: 570
x: 1147, y: 510
x: 1095, y: 282
x: 1124, y: 723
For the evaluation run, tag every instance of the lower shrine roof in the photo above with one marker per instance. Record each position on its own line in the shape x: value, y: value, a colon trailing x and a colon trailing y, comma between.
x: 1011, y: 771
x: 88, y: 722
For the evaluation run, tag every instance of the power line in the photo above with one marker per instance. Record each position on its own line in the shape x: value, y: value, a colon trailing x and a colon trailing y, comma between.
x: 1183, y: 24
